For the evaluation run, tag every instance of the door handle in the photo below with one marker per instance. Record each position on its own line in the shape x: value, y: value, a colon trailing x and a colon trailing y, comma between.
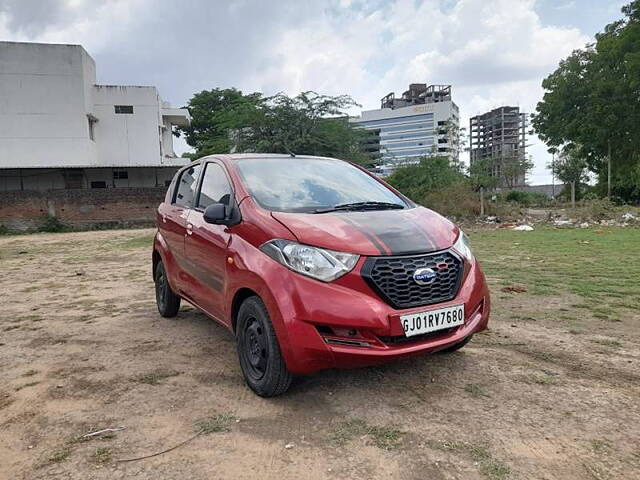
x: 189, y: 229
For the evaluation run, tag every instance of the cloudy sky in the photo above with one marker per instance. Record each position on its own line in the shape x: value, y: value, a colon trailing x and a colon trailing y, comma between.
x: 493, y: 52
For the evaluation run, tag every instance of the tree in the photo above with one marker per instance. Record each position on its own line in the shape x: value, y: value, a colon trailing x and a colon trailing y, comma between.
x: 215, y: 115
x: 481, y: 178
x: 513, y: 169
x: 593, y: 99
x: 571, y: 168
x: 431, y: 174
x: 226, y: 120
x: 308, y: 123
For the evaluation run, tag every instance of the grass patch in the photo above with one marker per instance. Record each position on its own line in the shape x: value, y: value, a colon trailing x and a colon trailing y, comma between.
x: 102, y: 455
x: 539, y: 379
x: 385, y: 437
x: 476, y: 390
x: 607, y: 342
x: 215, y: 424
x: 60, y: 455
x: 488, y: 465
x: 142, y: 241
x: 26, y: 385
x: 601, y: 269
x: 154, y: 378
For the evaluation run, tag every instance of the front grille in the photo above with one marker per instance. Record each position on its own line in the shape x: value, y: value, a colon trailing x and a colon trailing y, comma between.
x: 392, y: 278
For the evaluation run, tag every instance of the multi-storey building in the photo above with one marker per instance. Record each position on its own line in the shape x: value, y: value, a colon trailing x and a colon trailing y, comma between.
x: 60, y: 130
x: 500, y: 137
x: 424, y: 121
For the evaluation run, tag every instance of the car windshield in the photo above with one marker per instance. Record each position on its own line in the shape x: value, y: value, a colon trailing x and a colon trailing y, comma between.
x: 310, y: 185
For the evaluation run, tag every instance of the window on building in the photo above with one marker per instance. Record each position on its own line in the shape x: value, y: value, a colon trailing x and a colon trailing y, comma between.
x: 124, y: 109
x: 99, y: 184
x: 215, y: 186
x: 120, y: 175
x: 186, y: 188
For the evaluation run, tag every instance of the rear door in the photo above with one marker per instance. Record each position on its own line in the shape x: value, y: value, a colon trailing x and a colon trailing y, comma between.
x: 206, y: 244
x: 173, y: 219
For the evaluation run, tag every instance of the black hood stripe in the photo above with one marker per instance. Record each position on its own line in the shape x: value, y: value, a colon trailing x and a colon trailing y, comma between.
x: 367, y: 233
x: 400, y: 238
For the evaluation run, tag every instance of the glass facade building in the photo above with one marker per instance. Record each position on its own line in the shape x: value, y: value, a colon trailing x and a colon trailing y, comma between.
x: 422, y: 122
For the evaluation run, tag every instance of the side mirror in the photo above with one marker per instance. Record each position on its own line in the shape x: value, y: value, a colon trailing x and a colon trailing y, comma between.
x: 215, y: 213
x: 222, y: 214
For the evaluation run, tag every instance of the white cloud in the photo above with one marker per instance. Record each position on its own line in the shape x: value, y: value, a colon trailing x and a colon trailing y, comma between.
x: 492, y: 52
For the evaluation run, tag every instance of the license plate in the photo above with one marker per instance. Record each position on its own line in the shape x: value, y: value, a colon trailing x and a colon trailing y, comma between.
x: 432, y: 320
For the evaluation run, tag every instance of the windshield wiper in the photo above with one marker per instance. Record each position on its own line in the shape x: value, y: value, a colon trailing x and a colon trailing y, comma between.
x: 360, y: 206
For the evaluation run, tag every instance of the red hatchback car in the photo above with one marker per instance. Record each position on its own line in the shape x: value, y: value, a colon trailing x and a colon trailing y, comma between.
x: 313, y: 263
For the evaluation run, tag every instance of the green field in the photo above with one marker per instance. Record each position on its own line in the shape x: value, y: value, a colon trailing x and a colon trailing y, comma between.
x: 600, y: 266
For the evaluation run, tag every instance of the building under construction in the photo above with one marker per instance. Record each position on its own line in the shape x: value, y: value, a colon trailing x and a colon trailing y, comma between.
x: 500, y: 135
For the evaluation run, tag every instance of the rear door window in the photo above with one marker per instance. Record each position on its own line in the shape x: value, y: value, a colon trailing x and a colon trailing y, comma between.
x: 186, y: 189
x: 215, y: 187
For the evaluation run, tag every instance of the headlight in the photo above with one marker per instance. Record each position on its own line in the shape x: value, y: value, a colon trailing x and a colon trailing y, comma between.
x: 463, y: 246
x: 318, y: 263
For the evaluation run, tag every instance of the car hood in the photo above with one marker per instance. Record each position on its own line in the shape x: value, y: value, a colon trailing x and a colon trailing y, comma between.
x: 377, y: 232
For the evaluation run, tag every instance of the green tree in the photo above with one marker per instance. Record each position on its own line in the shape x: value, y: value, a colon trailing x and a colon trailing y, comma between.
x: 481, y: 178
x: 309, y: 124
x: 216, y: 114
x: 571, y: 168
x: 433, y: 173
x: 593, y: 99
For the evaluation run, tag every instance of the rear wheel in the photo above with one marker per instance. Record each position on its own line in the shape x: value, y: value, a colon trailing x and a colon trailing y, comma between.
x: 259, y: 351
x: 168, y: 302
x: 457, y: 346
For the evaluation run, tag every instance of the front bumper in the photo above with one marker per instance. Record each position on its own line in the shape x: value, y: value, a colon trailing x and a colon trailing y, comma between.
x: 345, y: 324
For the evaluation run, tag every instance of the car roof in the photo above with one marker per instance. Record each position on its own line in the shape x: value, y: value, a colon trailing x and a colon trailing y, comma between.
x: 241, y: 156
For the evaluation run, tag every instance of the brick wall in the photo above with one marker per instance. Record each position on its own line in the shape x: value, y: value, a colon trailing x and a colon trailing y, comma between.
x: 23, y: 210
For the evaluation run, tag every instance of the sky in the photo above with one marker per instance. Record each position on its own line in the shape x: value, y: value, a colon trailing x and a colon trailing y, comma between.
x: 492, y: 52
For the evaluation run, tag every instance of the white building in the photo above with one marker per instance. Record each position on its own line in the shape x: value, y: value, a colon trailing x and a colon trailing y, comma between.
x: 423, y: 122
x: 59, y: 129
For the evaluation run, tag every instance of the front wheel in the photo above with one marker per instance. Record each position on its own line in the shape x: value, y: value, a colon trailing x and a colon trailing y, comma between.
x: 258, y: 350
x: 168, y: 302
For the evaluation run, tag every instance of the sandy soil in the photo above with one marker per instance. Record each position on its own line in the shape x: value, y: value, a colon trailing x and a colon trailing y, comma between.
x: 82, y: 348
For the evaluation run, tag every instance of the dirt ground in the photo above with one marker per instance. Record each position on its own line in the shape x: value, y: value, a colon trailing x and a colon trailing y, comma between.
x: 82, y: 348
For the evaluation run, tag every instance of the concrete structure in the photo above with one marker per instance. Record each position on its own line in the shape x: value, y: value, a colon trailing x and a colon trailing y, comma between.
x: 424, y: 121
x: 499, y: 135
x: 60, y: 130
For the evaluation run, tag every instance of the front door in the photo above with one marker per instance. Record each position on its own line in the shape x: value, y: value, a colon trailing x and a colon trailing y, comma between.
x: 206, y: 244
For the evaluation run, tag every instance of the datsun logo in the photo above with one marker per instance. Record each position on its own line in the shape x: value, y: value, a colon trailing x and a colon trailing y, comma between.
x: 424, y: 276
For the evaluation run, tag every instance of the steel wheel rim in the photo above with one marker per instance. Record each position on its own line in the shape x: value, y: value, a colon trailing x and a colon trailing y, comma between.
x: 161, y: 289
x: 254, y: 348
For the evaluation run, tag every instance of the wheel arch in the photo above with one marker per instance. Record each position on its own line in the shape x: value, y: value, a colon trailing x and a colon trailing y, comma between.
x: 240, y: 296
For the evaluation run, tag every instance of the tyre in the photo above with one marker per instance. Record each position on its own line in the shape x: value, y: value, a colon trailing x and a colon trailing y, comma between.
x: 168, y: 302
x: 258, y: 350
x: 457, y: 346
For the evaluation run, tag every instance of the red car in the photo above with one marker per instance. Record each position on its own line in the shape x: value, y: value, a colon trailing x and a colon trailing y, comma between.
x: 313, y: 263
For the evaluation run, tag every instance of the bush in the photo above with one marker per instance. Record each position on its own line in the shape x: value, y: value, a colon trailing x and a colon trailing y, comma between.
x: 430, y: 175
x: 528, y: 199
x: 51, y: 224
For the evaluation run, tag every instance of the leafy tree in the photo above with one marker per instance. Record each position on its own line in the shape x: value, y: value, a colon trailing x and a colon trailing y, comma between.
x: 481, y: 179
x: 215, y: 115
x: 431, y: 174
x: 571, y: 168
x: 308, y: 123
x: 593, y: 99
x: 226, y: 120
x: 513, y: 169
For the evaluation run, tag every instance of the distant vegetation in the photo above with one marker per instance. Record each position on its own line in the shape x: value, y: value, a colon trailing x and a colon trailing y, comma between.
x: 226, y: 120
x: 591, y: 109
